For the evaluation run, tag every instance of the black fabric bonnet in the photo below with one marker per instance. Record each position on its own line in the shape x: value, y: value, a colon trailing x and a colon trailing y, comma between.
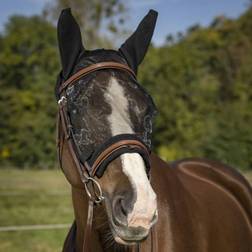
x: 84, y: 137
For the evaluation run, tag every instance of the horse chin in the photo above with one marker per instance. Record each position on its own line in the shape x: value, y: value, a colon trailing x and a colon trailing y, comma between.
x: 128, y: 240
x: 119, y: 240
x: 124, y: 236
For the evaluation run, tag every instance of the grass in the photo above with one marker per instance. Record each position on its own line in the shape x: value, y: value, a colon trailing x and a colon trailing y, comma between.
x: 30, y: 197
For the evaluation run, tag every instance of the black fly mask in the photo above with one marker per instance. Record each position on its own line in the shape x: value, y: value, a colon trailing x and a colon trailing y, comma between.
x: 87, y: 100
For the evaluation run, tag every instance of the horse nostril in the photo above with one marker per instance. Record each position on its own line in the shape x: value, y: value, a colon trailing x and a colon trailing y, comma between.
x: 123, y: 207
x: 120, y: 211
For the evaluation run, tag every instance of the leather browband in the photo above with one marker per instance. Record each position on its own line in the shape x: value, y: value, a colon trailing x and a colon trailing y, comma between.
x: 92, y: 68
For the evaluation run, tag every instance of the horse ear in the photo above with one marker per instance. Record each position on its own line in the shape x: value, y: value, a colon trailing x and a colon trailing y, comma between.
x: 70, y: 42
x: 135, y: 47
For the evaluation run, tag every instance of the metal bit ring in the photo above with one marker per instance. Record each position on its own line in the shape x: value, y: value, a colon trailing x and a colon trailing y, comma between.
x: 97, y: 196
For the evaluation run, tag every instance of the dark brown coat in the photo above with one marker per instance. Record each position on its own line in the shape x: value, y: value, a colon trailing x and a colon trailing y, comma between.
x: 204, y: 206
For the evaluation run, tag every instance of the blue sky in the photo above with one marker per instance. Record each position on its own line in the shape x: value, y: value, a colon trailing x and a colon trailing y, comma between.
x: 174, y: 15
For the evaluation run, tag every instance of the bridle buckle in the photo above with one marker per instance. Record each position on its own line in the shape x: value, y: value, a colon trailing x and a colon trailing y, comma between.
x: 62, y: 100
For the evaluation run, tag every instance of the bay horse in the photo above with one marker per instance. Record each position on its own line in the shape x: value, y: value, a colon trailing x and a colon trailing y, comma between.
x: 125, y: 198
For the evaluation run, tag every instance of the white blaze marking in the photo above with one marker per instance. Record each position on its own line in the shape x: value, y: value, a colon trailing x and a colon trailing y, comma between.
x: 146, y: 204
x: 119, y: 118
x: 132, y: 163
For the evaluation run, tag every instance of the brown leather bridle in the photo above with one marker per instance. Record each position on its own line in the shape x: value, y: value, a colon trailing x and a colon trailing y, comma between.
x: 65, y: 133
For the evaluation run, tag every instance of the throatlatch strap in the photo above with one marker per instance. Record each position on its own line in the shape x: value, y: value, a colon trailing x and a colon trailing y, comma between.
x: 88, y: 231
x: 65, y: 124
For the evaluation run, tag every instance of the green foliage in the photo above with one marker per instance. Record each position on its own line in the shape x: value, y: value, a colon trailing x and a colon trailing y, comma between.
x: 203, y: 88
x: 94, y: 17
x: 201, y: 82
x: 29, y: 64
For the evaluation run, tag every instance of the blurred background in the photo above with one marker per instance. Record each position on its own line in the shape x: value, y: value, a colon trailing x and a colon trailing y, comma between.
x: 198, y: 70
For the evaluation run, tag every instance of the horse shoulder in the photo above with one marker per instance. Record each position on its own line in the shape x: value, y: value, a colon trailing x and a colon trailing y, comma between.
x: 216, y: 174
x: 207, y: 200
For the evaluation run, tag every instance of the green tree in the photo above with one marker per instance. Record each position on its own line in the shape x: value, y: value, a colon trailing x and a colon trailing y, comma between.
x: 201, y: 82
x: 203, y: 89
x: 29, y: 64
x: 96, y: 18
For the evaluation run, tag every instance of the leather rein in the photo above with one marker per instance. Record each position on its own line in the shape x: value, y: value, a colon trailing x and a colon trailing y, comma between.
x: 86, y: 171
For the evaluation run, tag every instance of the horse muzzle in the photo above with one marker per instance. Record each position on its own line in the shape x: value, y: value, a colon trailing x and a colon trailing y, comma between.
x: 129, y: 233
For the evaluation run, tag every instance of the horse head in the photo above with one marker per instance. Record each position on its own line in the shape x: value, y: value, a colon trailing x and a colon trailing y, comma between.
x: 103, y: 105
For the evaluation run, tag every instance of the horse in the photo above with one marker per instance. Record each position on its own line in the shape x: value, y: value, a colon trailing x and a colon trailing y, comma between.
x: 126, y: 198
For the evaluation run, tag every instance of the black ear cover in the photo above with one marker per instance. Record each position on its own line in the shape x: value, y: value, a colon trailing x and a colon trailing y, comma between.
x: 136, y: 46
x: 69, y: 40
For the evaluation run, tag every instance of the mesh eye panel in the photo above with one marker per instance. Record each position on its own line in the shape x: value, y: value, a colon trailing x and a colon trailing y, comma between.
x: 88, y: 110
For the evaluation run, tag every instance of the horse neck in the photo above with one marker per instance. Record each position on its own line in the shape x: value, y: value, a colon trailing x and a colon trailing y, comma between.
x: 80, y: 204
